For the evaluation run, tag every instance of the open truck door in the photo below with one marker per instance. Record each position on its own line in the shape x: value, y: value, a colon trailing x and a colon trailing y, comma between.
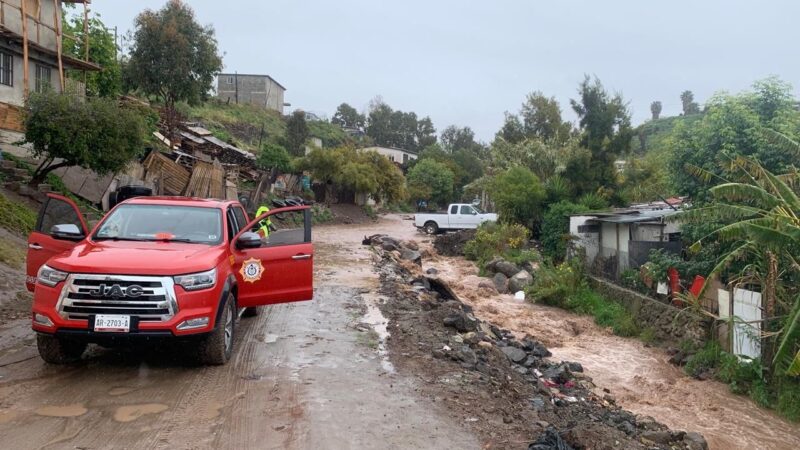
x: 59, y: 227
x: 278, y: 268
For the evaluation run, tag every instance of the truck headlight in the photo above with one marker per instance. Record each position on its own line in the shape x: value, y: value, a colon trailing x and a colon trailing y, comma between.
x: 197, y: 281
x: 49, y: 276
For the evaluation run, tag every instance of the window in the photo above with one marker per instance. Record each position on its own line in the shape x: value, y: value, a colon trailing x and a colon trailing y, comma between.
x: 466, y: 209
x: 6, y: 69
x: 43, y: 79
x: 233, y: 227
x: 229, y: 80
x: 57, y: 212
x: 241, y: 217
x: 589, y: 228
x: 405, y: 158
x: 189, y: 224
x: 288, y: 228
x: 454, y: 209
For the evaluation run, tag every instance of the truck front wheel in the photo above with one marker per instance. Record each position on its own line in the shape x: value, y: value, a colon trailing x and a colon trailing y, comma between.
x: 55, y: 350
x: 216, y: 348
x: 431, y: 228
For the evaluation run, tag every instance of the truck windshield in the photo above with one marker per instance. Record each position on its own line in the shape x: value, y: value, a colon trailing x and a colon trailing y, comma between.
x: 162, y: 223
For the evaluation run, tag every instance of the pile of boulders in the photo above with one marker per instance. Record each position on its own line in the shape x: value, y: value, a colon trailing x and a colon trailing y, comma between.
x: 509, y: 277
x: 404, y: 250
x: 452, y: 243
x: 562, y: 402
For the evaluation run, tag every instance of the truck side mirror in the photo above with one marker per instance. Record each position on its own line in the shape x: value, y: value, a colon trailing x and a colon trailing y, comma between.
x: 67, y: 232
x: 248, y: 240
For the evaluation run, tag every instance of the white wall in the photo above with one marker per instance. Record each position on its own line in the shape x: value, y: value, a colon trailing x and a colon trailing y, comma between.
x: 590, y: 242
x: 393, y: 154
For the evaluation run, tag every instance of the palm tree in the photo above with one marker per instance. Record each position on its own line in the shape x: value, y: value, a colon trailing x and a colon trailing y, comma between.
x: 761, y: 212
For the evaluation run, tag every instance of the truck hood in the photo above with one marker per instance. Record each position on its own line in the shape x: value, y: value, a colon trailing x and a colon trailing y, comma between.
x: 138, y: 258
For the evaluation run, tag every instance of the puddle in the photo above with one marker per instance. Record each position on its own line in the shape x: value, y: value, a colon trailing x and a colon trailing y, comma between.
x: 62, y: 411
x: 375, y: 318
x: 121, y: 391
x: 130, y: 413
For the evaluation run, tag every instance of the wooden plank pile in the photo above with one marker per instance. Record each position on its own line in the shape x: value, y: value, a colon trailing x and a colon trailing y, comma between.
x: 207, y: 181
x: 170, y: 177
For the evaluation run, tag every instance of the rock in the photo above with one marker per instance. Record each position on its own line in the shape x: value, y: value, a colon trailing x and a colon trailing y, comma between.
x: 677, y: 358
x: 500, y: 283
x: 574, y: 367
x: 627, y: 428
x: 514, y: 354
x: 411, y: 245
x: 432, y: 271
x: 471, y: 338
x: 537, y: 403
x: 456, y: 340
x: 466, y: 356
x: 695, y: 441
x: 461, y: 322
x: 388, y: 246
x: 610, y: 399
x: 659, y: 437
x: 506, y: 268
x: 550, y: 440
x: 520, y: 281
x: 530, y: 267
x: 487, y: 330
x: 491, y: 266
x: 559, y: 374
x: 530, y: 361
x: 536, y: 349
x: 507, y: 419
x: 411, y: 255
x: 422, y: 281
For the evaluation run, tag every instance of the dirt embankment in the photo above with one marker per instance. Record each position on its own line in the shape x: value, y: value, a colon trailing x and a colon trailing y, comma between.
x: 506, y: 389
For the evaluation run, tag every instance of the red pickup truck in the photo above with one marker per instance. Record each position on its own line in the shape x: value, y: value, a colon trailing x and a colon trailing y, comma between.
x: 172, y: 268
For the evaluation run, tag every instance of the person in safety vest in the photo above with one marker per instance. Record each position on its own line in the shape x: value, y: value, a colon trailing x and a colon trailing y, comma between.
x: 266, y: 224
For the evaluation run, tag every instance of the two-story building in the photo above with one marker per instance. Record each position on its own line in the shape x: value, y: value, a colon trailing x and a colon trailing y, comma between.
x: 259, y: 90
x: 396, y: 155
x: 31, y: 57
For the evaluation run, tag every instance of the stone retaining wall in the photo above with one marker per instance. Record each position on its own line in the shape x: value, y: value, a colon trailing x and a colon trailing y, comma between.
x: 668, y: 322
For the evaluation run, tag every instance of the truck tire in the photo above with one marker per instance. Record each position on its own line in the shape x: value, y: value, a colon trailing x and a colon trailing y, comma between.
x: 216, y: 348
x: 252, y: 311
x: 431, y: 228
x: 55, y: 350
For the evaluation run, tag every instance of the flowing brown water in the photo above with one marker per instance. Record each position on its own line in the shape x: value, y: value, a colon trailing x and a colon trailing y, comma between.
x: 640, y: 378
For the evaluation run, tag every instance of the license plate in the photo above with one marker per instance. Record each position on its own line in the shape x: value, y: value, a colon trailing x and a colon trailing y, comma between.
x: 112, y: 323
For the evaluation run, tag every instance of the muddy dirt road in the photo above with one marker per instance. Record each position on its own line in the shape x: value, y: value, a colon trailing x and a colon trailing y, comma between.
x: 308, y: 375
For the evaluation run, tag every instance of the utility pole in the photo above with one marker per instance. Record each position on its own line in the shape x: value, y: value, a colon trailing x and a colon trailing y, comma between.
x: 236, y: 81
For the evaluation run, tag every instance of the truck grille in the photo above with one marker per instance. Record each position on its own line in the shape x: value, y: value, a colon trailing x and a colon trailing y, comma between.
x: 151, y: 299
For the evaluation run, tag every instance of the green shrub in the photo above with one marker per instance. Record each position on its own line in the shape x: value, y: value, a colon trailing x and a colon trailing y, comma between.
x: 707, y: 358
x: 740, y: 375
x: 15, y: 216
x: 320, y: 214
x: 557, y: 285
x: 789, y: 400
x: 492, y: 239
x: 555, y: 229
x: 370, y: 212
x: 648, y: 335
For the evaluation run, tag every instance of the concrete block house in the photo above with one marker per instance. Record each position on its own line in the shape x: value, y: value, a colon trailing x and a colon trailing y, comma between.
x: 258, y: 90
x: 31, y: 59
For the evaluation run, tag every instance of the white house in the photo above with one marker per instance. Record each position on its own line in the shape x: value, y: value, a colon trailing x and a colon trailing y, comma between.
x: 396, y: 155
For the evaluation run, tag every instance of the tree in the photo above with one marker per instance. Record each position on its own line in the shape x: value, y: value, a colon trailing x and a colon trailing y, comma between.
x: 458, y: 138
x: 541, y: 117
x: 347, y: 116
x: 426, y: 133
x: 399, y: 129
x: 512, y: 131
x: 518, y: 195
x: 379, y: 124
x: 431, y: 180
x: 359, y: 171
x: 605, y: 128
x: 655, y: 109
x: 172, y: 57
x: 95, y: 133
x: 102, y: 51
x: 297, y: 133
x: 688, y: 103
x: 555, y: 228
x: 274, y: 158
x: 735, y: 125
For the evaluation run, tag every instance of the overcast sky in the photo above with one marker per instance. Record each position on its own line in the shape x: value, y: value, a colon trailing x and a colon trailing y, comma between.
x: 466, y: 62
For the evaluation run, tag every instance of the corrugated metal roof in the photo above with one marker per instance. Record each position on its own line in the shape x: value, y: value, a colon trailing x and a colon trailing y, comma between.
x: 643, y: 216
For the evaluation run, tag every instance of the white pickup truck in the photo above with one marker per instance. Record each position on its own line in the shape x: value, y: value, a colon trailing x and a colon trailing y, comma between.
x: 459, y: 216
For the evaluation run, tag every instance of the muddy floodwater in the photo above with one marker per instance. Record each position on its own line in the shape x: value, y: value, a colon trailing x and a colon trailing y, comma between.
x: 639, y: 377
